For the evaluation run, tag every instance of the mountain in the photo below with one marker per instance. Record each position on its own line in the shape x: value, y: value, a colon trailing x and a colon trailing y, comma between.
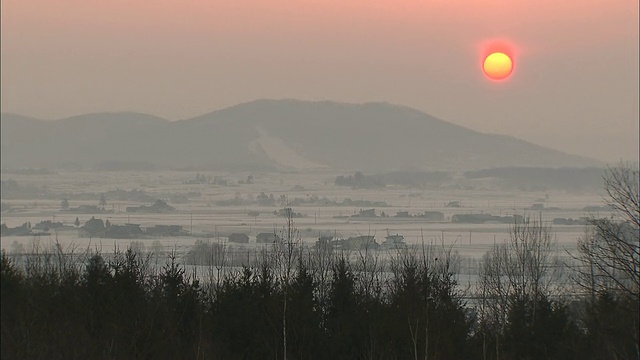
x: 272, y: 134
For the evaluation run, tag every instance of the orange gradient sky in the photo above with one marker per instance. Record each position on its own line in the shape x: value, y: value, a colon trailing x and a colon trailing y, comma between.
x: 575, y: 86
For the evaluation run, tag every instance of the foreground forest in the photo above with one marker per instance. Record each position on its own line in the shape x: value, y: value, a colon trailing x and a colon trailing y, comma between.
x: 297, y: 303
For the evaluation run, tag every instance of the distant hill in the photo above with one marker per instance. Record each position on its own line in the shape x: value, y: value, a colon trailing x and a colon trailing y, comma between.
x: 271, y: 134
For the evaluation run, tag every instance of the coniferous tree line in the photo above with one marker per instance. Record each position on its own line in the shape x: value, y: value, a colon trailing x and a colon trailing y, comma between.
x: 122, y: 307
x: 297, y: 303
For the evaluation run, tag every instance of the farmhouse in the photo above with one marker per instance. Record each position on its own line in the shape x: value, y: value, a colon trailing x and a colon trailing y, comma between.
x: 432, y: 216
x: 393, y: 242
x: 369, y: 213
x: 266, y: 238
x: 239, y: 238
x: 360, y: 243
x: 166, y: 230
x: 126, y: 231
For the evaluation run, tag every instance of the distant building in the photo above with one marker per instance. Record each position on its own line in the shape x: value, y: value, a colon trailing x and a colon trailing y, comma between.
x: 266, y: 238
x: 394, y: 242
x: 239, y: 238
x: 453, y: 204
x: 360, y: 243
x: 166, y: 230
x: 432, y: 216
x: 366, y: 213
x: 537, y: 206
x: 126, y: 231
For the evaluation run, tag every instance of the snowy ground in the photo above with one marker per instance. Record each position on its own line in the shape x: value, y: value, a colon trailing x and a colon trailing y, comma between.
x: 201, y: 216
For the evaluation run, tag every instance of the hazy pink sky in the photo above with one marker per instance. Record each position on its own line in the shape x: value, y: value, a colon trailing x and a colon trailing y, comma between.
x: 574, y: 87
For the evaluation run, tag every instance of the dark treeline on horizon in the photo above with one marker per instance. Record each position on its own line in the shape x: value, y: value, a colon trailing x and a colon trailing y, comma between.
x: 328, y: 307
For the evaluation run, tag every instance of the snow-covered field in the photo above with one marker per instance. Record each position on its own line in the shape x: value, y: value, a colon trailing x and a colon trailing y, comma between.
x: 204, y: 218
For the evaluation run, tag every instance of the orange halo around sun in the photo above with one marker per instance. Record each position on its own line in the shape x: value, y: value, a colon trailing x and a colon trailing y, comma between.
x: 497, y: 66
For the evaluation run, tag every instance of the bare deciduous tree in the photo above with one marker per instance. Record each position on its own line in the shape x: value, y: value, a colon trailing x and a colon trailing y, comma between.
x: 609, y: 254
x: 287, y: 251
x: 517, y: 270
x: 608, y: 259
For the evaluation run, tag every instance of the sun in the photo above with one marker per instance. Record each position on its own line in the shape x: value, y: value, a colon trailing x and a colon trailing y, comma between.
x: 498, y: 66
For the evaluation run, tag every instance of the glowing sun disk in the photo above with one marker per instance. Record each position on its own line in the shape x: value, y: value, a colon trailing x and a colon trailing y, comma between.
x: 497, y: 66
